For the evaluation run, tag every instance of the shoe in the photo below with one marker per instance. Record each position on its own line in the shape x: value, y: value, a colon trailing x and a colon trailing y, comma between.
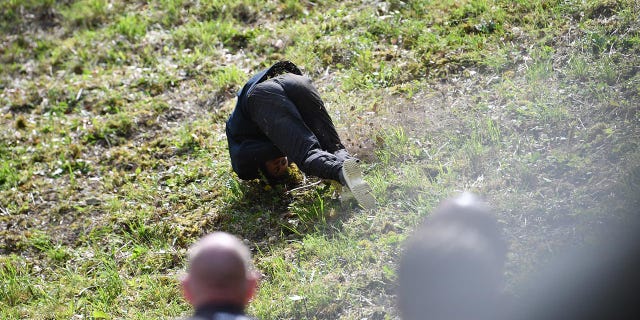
x: 351, y: 175
x: 343, y: 155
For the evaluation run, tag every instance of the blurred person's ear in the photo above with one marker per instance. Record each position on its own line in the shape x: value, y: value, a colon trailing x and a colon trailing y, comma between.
x: 186, y: 290
x: 252, y: 286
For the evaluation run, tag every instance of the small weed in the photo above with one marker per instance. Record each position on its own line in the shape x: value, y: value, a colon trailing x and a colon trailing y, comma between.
x: 607, y: 71
x: 131, y: 26
x: 42, y: 242
x: 579, y: 68
x: 542, y: 65
x: 9, y: 176
x: 15, y: 281
x: 308, y: 217
x: 227, y: 79
x: 87, y: 13
x: 172, y: 11
x: 187, y: 140
x: 492, y: 135
x: 292, y: 9
x: 109, y: 284
x: 113, y: 131
x: 397, y: 146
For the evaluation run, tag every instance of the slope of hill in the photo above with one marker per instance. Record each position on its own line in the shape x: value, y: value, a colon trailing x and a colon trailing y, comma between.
x: 113, y: 157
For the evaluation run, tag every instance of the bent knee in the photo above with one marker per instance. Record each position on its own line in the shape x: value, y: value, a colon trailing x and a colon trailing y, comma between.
x: 297, y: 83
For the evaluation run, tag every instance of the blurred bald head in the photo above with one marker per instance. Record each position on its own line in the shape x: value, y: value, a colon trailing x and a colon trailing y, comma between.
x: 219, y: 271
x: 452, y: 267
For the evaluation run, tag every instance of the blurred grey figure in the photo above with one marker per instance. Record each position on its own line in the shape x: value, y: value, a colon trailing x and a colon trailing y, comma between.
x: 596, y: 280
x: 453, y: 265
x: 220, y: 280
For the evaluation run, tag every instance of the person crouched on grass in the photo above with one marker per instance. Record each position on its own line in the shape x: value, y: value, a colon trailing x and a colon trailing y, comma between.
x: 220, y: 281
x: 453, y: 265
x: 280, y: 117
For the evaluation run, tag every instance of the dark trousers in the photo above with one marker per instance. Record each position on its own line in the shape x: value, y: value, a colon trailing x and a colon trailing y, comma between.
x: 290, y: 112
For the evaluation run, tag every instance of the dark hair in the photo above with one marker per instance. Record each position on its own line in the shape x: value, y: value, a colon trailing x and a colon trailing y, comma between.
x: 271, y: 179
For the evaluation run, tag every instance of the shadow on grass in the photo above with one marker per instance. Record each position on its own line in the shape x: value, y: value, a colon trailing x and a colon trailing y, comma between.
x: 267, y: 215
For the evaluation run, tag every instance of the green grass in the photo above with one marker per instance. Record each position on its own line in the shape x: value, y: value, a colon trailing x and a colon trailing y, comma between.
x: 113, y: 158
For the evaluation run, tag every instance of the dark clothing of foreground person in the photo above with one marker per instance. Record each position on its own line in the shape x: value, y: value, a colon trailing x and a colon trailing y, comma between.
x: 280, y: 113
x: 597, y: 279
x: 220, y: 280
x: 453, y: 265
x: 213, y: 312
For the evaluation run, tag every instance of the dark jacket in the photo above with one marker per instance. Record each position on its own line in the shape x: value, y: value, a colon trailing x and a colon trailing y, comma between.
x: 249, y: 148
x: 220, y: 312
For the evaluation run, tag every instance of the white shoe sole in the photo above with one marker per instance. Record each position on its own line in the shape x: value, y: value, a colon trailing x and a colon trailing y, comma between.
x: 361, y: 190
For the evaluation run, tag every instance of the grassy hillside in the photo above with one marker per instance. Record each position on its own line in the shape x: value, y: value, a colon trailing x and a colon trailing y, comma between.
x: 113, y: 156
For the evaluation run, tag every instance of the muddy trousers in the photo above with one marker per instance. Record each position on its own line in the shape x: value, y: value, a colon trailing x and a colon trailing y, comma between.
x: 290, y: 112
